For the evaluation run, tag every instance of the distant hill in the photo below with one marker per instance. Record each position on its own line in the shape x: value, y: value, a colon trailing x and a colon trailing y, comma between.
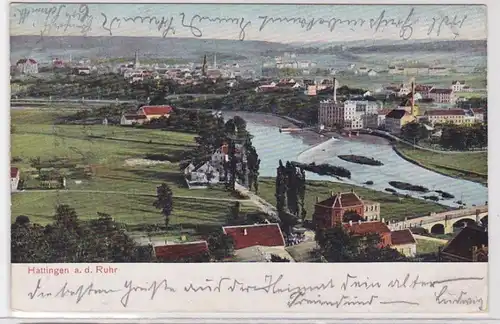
x: 152, y: 47
x: 436, y: 46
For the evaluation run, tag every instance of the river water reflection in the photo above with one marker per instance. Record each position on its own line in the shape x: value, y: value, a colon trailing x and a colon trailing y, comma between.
x: 272, y: 146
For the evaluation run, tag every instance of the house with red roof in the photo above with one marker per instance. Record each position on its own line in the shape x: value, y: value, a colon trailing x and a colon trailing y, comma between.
x: 341, y: 207
x: 58, y: 63
x: 14, y: 178
x: 245, y: 236
x: 27, y: 66
x: 366, y: 228
x: 132, y: 119
x: 152, y: 112
x: 183, y: 252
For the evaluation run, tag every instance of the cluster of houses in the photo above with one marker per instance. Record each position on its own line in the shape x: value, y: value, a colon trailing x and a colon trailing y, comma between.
x: 30, y: 66
x: 211, y: 171
x: 259, y: 242
x: 359, y: 113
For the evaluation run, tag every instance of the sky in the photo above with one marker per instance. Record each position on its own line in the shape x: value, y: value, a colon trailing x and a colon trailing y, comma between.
x: 277, y: 23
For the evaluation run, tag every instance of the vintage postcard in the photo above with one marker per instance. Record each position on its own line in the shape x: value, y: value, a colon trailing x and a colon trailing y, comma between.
x: 165, y: 156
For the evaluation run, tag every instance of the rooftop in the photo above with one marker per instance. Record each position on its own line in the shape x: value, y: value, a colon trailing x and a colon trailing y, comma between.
x: 397, y: 114
x: 342, y: 200
x: 178, y: 252
x: 367, y: 228
x: 157, y: 110
x: 402, y: 237
x: 466, y: 240
x: 245, y: 236
x: 445, y: 112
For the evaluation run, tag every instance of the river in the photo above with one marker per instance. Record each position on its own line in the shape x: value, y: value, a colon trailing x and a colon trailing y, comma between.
x: 272, y: 146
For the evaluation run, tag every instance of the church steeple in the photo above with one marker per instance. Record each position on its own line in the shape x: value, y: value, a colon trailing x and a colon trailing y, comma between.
x: 136, y: 60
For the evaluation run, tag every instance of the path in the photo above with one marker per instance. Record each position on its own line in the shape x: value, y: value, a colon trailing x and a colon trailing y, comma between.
x: 265, y: 206
x: 134, y: 193
x: 427, y: 238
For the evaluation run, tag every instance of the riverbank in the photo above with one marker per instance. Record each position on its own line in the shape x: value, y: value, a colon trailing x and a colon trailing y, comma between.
x: 472, y: 167
x: 391, y: 207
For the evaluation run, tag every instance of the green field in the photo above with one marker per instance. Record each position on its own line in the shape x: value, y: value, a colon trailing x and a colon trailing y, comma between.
x: 455, y: 165
x: 109, y: 150
x: 129, y: 209
x: 428, y: 246
x: 391, y: 208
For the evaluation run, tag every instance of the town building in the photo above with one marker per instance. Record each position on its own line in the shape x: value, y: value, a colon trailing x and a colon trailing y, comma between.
x: 442, y: 116
x: 57, y: 63
x: 245, y: 236
x: 469, y: 245
x: 458, y: 85
x: 351, y: 114
x: 367, y: 228
x: 372, y: 73
x: 132, y: 119
x: 479, y: 114
x: 442, y: 95
x: 342, y: 207
x: 381, y: 117
x: 27, y: 66
x: 14, y: 178
x: 404, y: 242
x: 183, y: 252
x: 396, y: 70
x: 438, y: 70
x: 201, y: 175
x: 396, y: 119
x: 423, y: 90
x: 152, y: 112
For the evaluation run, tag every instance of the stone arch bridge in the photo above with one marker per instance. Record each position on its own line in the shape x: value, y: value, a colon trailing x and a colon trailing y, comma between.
x: 446, y: 222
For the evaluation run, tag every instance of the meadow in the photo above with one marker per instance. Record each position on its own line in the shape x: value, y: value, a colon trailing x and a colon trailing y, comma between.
x: 122, y: 182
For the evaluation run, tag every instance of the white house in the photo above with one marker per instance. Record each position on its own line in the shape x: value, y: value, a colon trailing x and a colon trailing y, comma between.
x: 14, y: 178
x: 404, y: 242
x: 132, y: 119
x: 27, y: 66
x: 458, y: 85
x: 372, y: 73
x: 203, y: 174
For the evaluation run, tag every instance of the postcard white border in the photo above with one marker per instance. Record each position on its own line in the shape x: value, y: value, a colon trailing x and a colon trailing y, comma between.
x: 494, y: 191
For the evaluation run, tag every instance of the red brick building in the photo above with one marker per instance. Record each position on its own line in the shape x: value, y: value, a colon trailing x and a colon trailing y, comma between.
x: 331, y: 211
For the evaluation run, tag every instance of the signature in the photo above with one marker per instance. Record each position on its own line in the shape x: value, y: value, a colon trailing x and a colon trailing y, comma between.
x: 162, y: 24
x: 197, y: 32
x: 59, y: 17
x: 444, y: 21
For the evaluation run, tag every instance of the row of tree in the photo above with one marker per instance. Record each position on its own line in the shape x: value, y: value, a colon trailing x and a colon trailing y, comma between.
x: 290, y: 194
x: 453, y: 137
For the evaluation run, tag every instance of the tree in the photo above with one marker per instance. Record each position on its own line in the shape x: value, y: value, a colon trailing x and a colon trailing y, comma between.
x: 36, y: 163
x: 164, y: 201
x: 221, y: 246
x: 66, y: 217
x: 414, y: 132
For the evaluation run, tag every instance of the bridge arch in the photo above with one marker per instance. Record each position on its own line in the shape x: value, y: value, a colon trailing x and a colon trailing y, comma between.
x: 461, y: 223
x: 437, y: 229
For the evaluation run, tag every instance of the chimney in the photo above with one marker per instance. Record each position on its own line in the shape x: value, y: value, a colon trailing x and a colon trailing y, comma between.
x: 245, y: 232
x: 334, y: 90
x: 350, y: 223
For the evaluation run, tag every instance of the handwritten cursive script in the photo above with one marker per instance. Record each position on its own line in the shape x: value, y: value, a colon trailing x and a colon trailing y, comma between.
x: 349, y: 291
x: 162, y: 24
x: 65, y: 17
x: 59, y: 17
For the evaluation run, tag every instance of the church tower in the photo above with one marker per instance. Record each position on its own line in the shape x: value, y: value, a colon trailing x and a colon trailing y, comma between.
x: 136, y: 60
x: 204, y: 66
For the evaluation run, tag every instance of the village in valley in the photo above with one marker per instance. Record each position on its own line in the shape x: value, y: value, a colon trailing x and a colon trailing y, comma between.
x: 219, y: 159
